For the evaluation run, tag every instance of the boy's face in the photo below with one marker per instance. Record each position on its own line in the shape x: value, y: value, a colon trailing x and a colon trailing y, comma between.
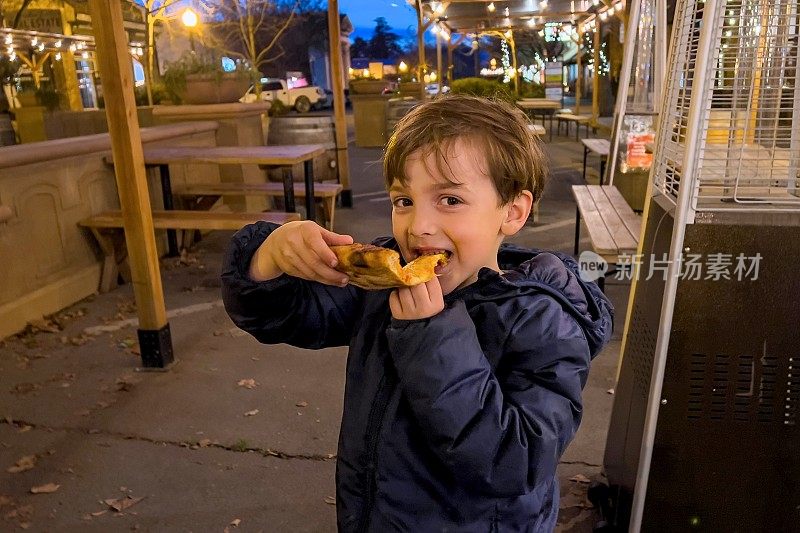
x: 431, y: 213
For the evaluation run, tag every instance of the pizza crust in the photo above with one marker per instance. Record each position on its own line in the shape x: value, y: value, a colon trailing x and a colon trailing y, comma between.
x: 374, y: 268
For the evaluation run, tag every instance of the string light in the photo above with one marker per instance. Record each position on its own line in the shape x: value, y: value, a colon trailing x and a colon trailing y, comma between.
x: 490, y: 8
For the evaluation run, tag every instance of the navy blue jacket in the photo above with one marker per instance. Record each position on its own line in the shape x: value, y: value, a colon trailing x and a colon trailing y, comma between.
x: 452, y: 423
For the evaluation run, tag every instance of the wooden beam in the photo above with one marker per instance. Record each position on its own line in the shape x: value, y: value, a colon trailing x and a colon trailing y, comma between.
x: 126, y: 145
x: 421, y: 52
x: 596, y: 74
x: 579, y: 80
x: 340, y: 122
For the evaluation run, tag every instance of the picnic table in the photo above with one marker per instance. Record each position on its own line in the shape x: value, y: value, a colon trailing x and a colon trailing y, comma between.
x: 600, y: 147
x: 540, y: 106
x: 266, y: 156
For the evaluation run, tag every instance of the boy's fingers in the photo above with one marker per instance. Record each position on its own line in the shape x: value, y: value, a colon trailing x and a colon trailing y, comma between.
x: 420, y: 294
x: 301, y: 268
x: 394, y: 305
x: 406, y: 299
x: 435, y: 290
x: 335, y: 239
x: 320, y: 242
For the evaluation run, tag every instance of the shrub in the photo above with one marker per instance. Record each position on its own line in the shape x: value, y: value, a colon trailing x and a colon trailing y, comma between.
x: 531, y: 90
x: 483, y: 87
x: 277, y: 108
x: 191, y: 64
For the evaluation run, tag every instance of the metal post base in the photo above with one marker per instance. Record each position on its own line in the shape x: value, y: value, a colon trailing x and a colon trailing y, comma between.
x: 156, y: 347
x: 347, y: 198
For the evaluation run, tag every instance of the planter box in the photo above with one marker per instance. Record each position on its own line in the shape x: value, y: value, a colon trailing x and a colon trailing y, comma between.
x: 204, y: 89
x: 367, y: 86
x: 410, y: 88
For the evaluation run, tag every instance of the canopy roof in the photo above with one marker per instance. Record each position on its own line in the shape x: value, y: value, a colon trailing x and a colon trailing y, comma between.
x: 469, y: 16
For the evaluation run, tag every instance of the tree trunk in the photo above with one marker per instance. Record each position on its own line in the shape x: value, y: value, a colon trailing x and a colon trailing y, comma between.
x: 149, y: 56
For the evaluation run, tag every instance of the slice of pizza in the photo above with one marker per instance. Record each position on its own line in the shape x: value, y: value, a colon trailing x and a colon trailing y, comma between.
x: 373, y: 268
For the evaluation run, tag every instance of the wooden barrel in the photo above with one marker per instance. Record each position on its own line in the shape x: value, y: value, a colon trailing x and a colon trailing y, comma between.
x: 295, y: 129
x: 7, y: 137
x: 397, y: 108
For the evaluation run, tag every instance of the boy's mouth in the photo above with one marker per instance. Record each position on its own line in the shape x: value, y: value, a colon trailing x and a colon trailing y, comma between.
x: 419, y: 252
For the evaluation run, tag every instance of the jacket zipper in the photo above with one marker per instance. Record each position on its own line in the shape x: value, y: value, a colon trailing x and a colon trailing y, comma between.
x: 374, y: 426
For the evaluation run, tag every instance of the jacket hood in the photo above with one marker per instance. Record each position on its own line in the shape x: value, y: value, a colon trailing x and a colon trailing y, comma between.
x: 531, y: 271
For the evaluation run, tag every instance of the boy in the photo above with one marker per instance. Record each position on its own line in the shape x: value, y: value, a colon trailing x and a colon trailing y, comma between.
x: 463, y: 392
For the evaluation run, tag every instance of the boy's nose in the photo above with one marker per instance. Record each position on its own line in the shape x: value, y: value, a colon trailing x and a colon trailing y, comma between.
x: 422, y: 224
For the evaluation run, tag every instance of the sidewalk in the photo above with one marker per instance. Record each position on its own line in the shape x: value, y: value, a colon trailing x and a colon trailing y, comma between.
x: 237, y: 432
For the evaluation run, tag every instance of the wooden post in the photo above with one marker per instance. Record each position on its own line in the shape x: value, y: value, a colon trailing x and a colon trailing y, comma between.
x: 337, y: 80
x: 596, y: 74
x: 514, y: 63
x: 421, y: 52
x: 579, y: 80
x: 126, y: 145
x: 439, y: 60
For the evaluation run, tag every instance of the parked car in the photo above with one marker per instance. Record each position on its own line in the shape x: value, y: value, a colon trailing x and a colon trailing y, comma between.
x: 433, y: 89
x: 301, y: 99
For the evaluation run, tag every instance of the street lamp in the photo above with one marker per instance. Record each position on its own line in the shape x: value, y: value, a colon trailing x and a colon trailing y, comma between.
x: 190, y: 20
x: 402, y: 67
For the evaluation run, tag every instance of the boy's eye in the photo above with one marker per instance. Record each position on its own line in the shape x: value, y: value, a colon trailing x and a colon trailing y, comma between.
x: 401, y: 202
x: 450, y: 201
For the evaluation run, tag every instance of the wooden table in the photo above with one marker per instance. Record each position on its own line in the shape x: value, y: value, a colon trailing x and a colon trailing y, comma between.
x: 267, y: 156
x: 532, y: 105
x: 579, y: 120
x: 600, y: 147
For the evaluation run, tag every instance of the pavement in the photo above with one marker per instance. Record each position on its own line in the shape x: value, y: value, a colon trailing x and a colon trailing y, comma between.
x: 236, y: 436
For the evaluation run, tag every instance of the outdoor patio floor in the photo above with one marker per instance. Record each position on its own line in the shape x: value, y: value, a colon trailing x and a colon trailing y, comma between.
x: 202, y: 448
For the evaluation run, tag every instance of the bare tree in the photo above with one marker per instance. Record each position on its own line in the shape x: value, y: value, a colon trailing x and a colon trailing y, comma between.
x: 251, y: 30
x: 155, y: 12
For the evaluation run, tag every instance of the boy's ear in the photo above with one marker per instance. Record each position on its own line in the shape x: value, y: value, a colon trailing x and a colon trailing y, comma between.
x: 518, y: 211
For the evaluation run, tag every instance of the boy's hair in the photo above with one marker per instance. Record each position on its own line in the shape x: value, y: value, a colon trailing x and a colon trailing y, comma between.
x: 514, y: 156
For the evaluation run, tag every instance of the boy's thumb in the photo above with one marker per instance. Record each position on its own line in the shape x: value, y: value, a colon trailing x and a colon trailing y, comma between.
x: 335, y: 239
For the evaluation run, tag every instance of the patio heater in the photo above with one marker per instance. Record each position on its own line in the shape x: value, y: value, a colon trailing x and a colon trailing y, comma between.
x: 704, y: 432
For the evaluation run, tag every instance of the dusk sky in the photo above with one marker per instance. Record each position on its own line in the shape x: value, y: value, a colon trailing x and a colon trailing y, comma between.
x: 400, y: 16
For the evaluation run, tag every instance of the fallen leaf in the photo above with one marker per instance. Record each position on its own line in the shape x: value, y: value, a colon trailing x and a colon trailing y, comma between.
x: 330, y: 500
x: 610, y: 391
x: 127, y: 343
x: 24, y: 525
x: 45, y: 489
x: 580, y: 478
x: 23, y: 463
x: 99, y: 513
x: 204, y: 443
x: 219, y: 333
x: 235, y: 522
x: 247, y: 383
x: 25, y: 388
x: 254, y: 412
x: 120, y: 504
x: 302, y: 404
x: 24, y: 428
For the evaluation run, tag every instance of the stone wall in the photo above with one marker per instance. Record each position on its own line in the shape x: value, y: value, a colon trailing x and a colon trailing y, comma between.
x: 48, y: 261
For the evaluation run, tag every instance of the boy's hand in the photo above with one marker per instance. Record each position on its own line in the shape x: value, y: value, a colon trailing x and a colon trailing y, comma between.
x: 420, y: 301
x: 300, y: 249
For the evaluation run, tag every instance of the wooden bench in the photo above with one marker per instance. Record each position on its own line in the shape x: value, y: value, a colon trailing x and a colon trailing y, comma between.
x: 600, y: 147
x: 579, y: 120
x: 326, y: 192
x: 106, y: 229
x: 284, y: 156
x: 613, y: 226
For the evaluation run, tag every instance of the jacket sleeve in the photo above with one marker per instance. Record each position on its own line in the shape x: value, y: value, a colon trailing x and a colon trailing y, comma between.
x: 503, y: 436
x: 285, y: 309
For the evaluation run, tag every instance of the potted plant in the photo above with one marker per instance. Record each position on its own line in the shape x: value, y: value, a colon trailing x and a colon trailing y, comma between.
x: 193, y: 79
x: 409, y: 84
x: 367, y: 85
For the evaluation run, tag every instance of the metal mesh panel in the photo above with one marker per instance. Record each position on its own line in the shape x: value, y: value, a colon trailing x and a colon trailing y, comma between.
x: 748, y: 149
x: 672, y: 133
